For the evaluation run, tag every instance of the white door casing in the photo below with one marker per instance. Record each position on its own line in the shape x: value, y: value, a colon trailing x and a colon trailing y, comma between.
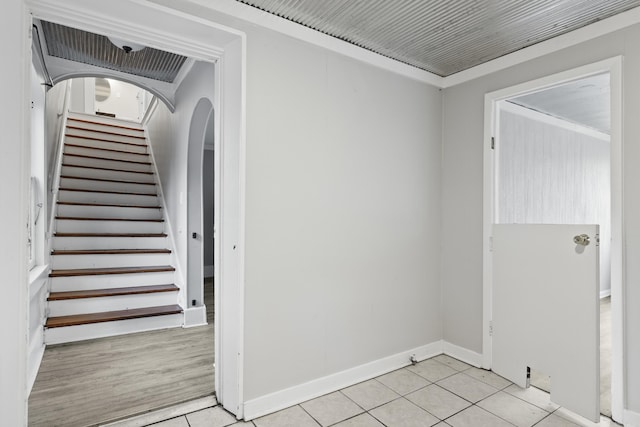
x: 614, y: 67
x: 168, y: 29
x: 546, y: 312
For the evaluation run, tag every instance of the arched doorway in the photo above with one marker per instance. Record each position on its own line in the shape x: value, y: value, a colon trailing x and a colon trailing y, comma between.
x: 201, y: 119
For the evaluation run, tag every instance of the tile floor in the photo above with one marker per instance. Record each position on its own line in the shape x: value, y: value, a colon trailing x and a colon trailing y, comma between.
x: 440, y: 392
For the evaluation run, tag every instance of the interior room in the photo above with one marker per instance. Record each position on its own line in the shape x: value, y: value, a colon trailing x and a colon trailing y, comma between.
x: 310, y: 184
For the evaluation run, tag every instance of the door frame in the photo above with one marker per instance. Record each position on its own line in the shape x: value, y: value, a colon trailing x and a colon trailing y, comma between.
x: 618, y: 284
x: 192, y: 36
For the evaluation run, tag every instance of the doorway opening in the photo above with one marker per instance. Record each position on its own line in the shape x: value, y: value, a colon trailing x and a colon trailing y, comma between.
x: 553, y: 157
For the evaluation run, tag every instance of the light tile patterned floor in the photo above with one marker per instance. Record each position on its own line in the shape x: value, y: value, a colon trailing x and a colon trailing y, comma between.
x: 440, y: 392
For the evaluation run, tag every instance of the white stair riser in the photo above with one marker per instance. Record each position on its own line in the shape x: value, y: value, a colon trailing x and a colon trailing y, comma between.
x: 95, y: 143
x: 103, y: 163
x: 125, y: 199
x: 110, y: 260
x: 76, y: 226
x: 110, y: 281
x: 112, y: 303
x: 70, y: 243
x: 106, y: 174
x: 106, y: 329
x: 87, y: 184
x: 101, y: 135
x: 109, y: 212
x: 105, y: 128
x: 90, y: 151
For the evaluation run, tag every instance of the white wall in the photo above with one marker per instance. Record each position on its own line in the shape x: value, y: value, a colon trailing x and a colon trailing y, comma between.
x: 78, y: 98
x: 14, y: 173
x: 343, y: 214
x: 462, y: 190
x: 125, y: 101
x: 553, y: 172
x: 169, y: 136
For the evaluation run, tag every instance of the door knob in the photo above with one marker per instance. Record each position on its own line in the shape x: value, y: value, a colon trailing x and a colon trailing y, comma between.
x: 582, y: 239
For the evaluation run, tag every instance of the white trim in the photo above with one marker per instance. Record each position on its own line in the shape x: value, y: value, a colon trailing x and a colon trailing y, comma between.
x: 618, y: 243
x: 167, y: 29
x: 554, y: 121
x: 581, y: 35
x: 631, y: 418
x: 281, y: 25
x: 195, y: 316
x: 208, y: 271
x: 300, y: 32
x: 89, y: 18
x: 291, y: 396
x: 618, y: 283
x: 605, y: 293
x: 463, y: 354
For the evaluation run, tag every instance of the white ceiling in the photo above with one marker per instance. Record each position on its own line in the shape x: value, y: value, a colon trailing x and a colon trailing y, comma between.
x: 586, y: 102
x: 444, y: 37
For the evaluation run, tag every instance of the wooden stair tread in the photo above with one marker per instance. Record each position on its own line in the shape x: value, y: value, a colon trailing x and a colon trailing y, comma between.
x: 110, y: 150
x: 110, y: 234
x: 98, y: 293
x: 67, y: 165
x: 107, y: 192
x: 109, y: 270
x: 105, y: 124
x: 90, y: 138
x: 83, y: 218
x: 119, y: 181
x: 109, y: 251
x: 108, y: 159
x: 105, y: 132
x: 109, y: 316
x: 109, y: 205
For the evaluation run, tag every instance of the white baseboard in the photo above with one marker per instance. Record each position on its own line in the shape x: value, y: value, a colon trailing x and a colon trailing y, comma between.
x: 292, y: 396
x: 208, y: 271
x: 605, y: 293
x: 195, y: 316
x: 462, y: 354
x: 631, y: 418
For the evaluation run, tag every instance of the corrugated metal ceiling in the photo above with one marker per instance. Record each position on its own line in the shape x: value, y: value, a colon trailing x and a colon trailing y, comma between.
x: 444, y: 37
x: 93, y: 49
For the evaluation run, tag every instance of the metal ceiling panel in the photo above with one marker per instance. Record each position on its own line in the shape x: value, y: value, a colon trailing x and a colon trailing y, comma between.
x: 444, y: 37
x: 93, y: 49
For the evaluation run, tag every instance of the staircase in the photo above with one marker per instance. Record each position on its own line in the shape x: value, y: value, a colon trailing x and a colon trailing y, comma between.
x: 111, y: 270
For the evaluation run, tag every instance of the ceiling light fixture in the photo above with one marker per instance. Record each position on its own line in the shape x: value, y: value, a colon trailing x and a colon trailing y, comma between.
x: 127, y: 46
